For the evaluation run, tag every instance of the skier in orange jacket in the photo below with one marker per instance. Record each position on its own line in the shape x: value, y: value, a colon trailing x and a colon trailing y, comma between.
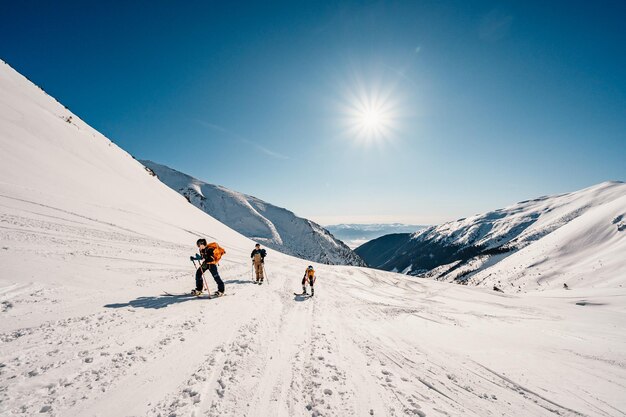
x: 309, y: 276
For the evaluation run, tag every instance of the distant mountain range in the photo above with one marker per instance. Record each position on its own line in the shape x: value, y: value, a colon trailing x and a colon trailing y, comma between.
x: 354, y: 235
x: 577, y: 238
x: 273, y: 226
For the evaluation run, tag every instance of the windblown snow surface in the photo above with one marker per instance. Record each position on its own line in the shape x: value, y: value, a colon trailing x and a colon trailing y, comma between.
x: 89, y: 241
x: 275, y: 227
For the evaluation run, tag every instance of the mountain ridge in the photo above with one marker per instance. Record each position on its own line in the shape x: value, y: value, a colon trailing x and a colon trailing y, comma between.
x: 465, y: 250
x: 276, y: 227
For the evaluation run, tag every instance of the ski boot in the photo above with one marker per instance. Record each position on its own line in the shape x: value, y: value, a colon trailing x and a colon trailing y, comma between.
x: 312, y: 291
x: 196, y: 292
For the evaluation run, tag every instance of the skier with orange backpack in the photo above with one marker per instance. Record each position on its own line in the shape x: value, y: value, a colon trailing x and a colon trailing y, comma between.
x: 309, y: 276
x: 210, y: 255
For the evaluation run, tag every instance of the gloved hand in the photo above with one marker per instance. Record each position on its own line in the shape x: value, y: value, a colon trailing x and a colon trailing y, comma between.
x: 196, y: 257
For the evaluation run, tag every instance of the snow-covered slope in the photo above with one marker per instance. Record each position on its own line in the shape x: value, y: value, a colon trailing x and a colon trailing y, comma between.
x: 378, y: 252
x: 273, y: 226
x: 89, y: 240
x: 577, y: 238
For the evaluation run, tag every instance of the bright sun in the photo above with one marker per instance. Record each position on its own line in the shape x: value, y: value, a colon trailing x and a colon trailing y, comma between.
x: 370, y: 115
x: 371, y: 119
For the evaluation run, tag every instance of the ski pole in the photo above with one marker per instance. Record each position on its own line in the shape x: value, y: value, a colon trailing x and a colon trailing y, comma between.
x: 265, y: 273
x: 252, y: 270
x: 206, y: 286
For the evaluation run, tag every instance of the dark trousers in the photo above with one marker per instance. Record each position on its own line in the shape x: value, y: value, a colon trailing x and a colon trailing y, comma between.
x: 216, y: 276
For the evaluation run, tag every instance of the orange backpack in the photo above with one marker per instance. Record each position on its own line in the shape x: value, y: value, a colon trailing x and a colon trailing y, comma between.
x: 218, y: 251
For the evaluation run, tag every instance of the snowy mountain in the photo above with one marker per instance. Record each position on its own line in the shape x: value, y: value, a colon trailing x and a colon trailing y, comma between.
x: 89, y: 241
x: 273, y: 226
x: 576, y: 238
x: 380, y: 251
x: 355, y: 235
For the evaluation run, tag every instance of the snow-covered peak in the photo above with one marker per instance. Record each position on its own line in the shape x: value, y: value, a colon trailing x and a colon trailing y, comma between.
x: 51, y: 157
x: 524, y: 221
x: 576, y: 238
x: 275, y: 227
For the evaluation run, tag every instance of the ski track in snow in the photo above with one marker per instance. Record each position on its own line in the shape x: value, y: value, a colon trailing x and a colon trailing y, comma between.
x: 369, y: 342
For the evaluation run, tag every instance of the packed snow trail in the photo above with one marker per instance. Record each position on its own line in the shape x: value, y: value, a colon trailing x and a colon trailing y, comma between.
x: 89, y: 241
x: 368, y: 342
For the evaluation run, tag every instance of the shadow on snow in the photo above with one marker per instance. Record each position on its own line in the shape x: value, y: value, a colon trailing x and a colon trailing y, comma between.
x: 163, y: 301
x: 239, y: 281
x: 155, y: 302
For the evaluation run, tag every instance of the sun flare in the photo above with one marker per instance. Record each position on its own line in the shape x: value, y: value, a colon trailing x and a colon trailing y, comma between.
x: 370, y: 114
x: 371, y: 120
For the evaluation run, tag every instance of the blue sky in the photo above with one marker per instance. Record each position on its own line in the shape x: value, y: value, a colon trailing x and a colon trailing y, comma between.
x: 476, y: 104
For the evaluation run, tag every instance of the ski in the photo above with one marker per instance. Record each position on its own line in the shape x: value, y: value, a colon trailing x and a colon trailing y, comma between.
x: 220, y: 296
x: 187, y: 295
x: 304, y: 294
x: 203, y: 295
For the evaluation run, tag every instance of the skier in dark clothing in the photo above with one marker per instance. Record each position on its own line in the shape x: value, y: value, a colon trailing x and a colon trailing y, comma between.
x: 309, y: 277
x: 209, y: 255
x: 258, y: 259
